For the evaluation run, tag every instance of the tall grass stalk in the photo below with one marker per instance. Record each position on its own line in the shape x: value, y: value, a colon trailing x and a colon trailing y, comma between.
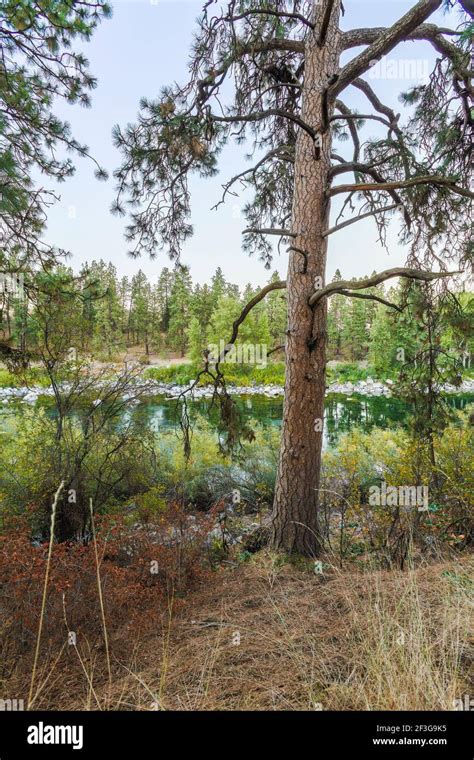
x: 45, y: 590
x: 101, y: 599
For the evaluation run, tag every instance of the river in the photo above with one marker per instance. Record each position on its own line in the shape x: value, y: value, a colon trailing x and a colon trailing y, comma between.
x: 342, y: 413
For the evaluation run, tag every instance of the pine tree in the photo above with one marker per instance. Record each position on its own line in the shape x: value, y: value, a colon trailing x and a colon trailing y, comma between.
x: 285, y: 85
x: 277, y: 316
x: 336, y: 312
x: 180, y: 310
x: 203, y: 305
x: 218, y: 285
x: 165, y: 283
x: 140, y: 315
x: 197, y: 341
x: 38, y: 67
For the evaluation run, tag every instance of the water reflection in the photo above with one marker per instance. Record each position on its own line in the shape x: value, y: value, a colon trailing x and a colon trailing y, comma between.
x: 342, y: 413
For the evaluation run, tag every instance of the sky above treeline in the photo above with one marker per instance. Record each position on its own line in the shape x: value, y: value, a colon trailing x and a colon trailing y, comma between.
x: 145, y: 46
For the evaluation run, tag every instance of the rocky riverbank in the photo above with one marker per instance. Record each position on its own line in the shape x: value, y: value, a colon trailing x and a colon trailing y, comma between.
x: 150, y: 388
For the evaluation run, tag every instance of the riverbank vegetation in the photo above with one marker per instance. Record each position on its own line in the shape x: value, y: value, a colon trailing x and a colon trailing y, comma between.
x: 188, y: 588
x: 106, y: 320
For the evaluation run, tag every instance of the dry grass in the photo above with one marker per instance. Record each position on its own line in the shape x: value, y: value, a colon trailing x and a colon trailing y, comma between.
x: 343, y: 641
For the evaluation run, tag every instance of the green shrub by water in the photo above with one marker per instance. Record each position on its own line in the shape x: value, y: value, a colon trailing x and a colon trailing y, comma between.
x: 242, y: 375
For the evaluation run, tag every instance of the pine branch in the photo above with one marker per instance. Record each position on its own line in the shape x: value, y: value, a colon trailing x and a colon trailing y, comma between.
x: 384, y: 43
x: 347, y: 223
x: 277, y: 285
x: 376, y: 279
x: 400, y: 184
x: 261, y: 115
x: 370, y: 297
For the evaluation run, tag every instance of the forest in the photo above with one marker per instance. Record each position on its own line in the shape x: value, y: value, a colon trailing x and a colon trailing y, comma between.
x: 245, y: 486
x: 173, y: 317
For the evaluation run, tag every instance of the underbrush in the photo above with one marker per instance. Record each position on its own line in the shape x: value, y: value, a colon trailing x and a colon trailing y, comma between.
x: 152, y: 610
x: 268, y: 634
x: 141, y: 572
x: 32, y: 377
x: 242, y: 375
x: 345, y: 372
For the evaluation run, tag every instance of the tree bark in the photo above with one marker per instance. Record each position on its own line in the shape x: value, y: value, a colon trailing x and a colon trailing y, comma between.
x: 294, y: 519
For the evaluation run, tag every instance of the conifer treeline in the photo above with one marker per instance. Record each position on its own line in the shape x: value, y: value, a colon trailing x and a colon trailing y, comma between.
x: 176, y: 316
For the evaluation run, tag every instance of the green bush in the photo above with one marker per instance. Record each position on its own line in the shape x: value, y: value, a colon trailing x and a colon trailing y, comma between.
x: 347, y: 372
x: 33, y: 376
x: 241, y: 375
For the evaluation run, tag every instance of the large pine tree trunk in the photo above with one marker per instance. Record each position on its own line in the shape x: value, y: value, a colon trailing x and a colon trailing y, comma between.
x: 294, y: 523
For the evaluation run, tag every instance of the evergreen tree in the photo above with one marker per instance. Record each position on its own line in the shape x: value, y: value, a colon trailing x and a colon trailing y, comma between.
x: 39, y: 67
x: 163, y: 288
x: 203, y: 305
x: 140, y: 315
x: 277, y: 315
x: 180, y: 310
x: 197, y: 341
x: 107, y: 332
x: 218, y: 285
x: 285, y: 83
x: 336, y: 313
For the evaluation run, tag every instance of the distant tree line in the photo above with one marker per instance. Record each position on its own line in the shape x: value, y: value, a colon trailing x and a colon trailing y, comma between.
x: 104, y: 315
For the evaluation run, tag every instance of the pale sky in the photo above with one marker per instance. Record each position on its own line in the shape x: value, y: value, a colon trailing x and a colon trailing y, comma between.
x: 144, y: 46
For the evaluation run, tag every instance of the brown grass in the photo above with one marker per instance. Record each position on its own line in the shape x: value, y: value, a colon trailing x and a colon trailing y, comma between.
x: 342, y: 641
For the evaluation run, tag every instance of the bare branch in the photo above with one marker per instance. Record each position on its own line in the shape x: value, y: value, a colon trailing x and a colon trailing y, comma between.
x: 341, y: 226
x: 261, y: 115
x: 365, y: 87
x: 345, y: 111
x: 449, y: 182
x: 369, y: 297
x: 279, y: 153
x: 376, y: 279
x: 277, y: 285
x: 363, y: 117
x: 267, y: 12
x: 269, y: 231
x: 379, y: 179
x: 384, y: 43
x: 277, y: 348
